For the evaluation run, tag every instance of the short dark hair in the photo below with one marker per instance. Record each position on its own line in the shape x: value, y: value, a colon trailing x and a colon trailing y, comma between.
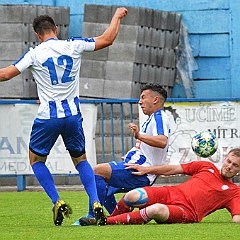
x: 156, y: 88
x: 43, y: 23
x: 235, y: 152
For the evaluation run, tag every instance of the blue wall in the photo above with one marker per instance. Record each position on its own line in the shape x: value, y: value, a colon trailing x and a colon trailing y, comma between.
x: 213, y: 27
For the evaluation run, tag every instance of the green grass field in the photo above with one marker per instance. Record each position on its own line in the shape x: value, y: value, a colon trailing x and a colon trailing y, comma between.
x: 28, y: 215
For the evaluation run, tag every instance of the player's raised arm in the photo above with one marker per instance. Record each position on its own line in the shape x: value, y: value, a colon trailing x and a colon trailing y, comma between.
x: 157, y: 170
x: 8, y: 73
x: 111, y: 32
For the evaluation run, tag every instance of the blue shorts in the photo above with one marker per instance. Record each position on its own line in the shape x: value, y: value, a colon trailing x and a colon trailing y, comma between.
x: 123, y: 178
x: 46, y: 131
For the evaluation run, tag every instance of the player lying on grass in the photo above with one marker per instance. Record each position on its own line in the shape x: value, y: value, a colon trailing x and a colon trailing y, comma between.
x: 208, y: 190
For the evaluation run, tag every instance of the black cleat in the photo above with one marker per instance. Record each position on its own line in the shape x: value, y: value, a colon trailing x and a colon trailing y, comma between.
x: 60, y: 209
x: 101, y: 219
x: 84, y: 221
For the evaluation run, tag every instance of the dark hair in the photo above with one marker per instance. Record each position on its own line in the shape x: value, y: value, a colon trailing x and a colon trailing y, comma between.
x: 235, y: 152
x: 156, y: 88
x: 43, y: 23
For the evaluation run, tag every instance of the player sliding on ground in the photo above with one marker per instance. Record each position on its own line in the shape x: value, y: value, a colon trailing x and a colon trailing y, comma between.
x: 55, y: 65
x: 208, y: 190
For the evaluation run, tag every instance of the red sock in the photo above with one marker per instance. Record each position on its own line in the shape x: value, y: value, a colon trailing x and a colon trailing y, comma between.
x: 120, y: 208
x: 138, y: 217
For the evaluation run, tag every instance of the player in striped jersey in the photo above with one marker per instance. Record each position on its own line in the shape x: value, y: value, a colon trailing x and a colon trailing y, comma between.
x: 55, y: 65
x: 150, y: 150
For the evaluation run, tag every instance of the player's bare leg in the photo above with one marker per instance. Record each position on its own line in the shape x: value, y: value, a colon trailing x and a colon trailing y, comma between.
x: 138, y: 198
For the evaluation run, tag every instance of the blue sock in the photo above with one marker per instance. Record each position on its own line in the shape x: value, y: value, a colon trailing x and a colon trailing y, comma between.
x: 101, y: 188
x: 45, y: 179
x: 110, y: 203
x: 101, y: 191
x: 87, y: 178
x: 90, y: 211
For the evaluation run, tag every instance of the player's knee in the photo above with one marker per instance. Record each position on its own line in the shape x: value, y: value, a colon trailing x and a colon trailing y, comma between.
x: 103, y: 169
x: 98, y: 169
x: 136, y: 197
x: 159, y: 212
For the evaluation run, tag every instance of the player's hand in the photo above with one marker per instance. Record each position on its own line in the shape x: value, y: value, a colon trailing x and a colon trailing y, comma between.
x: 140, y: 169
x: 135, y: 129
x: 121, y: 12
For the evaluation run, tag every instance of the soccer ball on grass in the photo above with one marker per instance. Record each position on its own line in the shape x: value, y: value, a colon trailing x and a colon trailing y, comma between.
x: 204, y: 144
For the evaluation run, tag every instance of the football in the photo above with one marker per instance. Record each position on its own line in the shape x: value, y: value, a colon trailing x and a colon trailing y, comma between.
x: 204, y: 144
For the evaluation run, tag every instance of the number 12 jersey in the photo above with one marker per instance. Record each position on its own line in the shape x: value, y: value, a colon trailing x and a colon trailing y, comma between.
x: 55, y: 65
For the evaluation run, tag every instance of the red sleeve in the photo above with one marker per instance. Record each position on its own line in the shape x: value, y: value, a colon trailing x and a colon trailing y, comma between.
x: 233, y: 205
x: 196, y: 167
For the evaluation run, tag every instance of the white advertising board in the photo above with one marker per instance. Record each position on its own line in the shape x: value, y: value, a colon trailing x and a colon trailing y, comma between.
x: 186, y: 119
x: 16, y: 122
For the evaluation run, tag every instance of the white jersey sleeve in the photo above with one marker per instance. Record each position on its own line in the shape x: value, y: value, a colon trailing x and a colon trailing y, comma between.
x: 24, y: 62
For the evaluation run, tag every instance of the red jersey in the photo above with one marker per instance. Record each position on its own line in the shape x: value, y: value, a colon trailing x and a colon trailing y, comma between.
x: 207, y: 191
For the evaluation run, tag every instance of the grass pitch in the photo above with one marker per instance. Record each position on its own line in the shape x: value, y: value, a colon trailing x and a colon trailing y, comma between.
x: 28, y: 215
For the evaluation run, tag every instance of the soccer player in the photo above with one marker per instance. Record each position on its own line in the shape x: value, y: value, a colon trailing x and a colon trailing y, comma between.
x: 55, y: 65
x: 208, y: 190
x: 150, y: 150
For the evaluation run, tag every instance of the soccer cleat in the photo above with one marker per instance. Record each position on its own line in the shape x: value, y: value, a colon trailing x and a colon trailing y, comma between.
x: 77, y: 222
x: 60, y: 209
x: 84, y: 221
x: 100, y: 217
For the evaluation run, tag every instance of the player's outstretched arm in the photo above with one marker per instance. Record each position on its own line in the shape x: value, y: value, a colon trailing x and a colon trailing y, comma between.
x: 108, y: 37
x: 157, y: 170
x: 236, y: 219
x: 8, y: 73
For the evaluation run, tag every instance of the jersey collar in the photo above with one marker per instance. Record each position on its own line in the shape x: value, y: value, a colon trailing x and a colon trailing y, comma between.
x: 51, y: 39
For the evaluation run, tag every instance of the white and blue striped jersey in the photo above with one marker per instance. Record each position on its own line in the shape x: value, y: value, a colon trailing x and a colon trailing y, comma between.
x: 55, y: 65
x: 144, y: 154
